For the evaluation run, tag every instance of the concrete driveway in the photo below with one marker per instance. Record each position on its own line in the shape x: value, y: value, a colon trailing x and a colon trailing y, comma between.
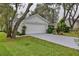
x: 59, y: 39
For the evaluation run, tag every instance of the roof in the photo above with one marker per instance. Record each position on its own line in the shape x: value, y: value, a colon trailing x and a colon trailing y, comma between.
x: 45, y: 20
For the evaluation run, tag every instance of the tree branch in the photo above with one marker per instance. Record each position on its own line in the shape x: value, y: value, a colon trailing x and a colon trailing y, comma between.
x: 75, y: 11
x: 68, y: 10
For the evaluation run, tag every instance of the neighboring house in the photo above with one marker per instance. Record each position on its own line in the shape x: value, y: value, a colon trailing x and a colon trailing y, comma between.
x: 34, y: 24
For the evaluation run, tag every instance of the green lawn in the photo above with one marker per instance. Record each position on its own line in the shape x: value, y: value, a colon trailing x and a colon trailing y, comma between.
x: 30, y: 46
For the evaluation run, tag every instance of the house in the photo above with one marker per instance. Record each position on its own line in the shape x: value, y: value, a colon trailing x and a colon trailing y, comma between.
x: 34, y: 24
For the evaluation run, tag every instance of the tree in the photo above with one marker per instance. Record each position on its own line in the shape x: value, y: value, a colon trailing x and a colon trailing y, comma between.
x: 71, y: 13
x: 2, y: 22
x: 55, y: 8
x: 5, y: 15
x: 67, y: 7
x: 48, y: 11
x: 12, y: 26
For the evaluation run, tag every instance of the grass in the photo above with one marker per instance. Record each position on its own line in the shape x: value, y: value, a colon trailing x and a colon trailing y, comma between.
x: 30, y: 46
x: 72, y: 34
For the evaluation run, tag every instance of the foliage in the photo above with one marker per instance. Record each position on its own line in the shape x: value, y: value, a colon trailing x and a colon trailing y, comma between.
x: 18, y: 33
x: 11, y: 11
x: 2, y: 36
x: 66, y: 29
x: 6, y: 11
x: 71, y: 13
x: 49, y: 13
x: 50, y: 29
x: 23, y: 30
x: 2, y: 23
x: 62, y: 27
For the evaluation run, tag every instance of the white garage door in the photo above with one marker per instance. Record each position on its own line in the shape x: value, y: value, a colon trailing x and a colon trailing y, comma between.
x: 33, y: 28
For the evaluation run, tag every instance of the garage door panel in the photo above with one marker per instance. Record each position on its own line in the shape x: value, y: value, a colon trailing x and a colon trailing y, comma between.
x: 35, y: 29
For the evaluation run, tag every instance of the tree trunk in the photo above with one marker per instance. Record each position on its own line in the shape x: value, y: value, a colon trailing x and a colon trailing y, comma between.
x: 9, y: 31
x: 13, y: 34
x: 72, y: 26
x: 9, y: 35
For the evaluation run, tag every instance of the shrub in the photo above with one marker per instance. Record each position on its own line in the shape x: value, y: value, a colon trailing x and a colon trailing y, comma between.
x: 66, y: 29
x: 3, y: 36
x: 62, y: 27
x: 23, y: 30
x: 50, y: 29
x: 18, y: 33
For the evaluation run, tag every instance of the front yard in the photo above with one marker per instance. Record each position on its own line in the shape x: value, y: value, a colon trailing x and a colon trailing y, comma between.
x: 30, y: 46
